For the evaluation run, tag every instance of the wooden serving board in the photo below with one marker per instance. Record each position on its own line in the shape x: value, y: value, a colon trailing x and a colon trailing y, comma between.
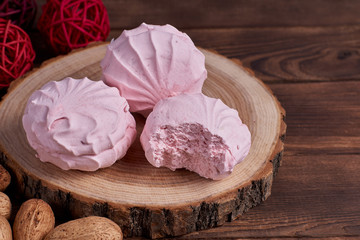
x: 142, y: 199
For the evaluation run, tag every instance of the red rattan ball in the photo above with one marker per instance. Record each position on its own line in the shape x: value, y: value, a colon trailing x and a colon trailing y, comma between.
x: 20, y: 12
x: 16, y: 52
x: 70, y: 24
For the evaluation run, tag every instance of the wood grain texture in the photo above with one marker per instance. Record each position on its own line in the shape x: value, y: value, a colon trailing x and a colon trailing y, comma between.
x: 305, y: 203
x: 292, y: 54
x: 325, y: 117
x: 289, y: 54
x: 144, y: 200
x: 316, y: 193
x: 231, y: 13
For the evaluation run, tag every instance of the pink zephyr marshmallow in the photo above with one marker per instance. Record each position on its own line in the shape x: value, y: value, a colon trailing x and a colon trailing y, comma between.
x: 152, y: 62
x: 195, y: 132
x: 78, y: 124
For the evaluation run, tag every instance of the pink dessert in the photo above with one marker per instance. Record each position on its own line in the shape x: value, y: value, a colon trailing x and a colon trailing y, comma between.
x: 79, y: 124
x: 195, y: 132
x: 150, y: 63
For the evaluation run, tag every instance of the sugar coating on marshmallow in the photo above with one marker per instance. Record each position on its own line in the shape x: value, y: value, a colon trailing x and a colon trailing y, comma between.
x: 152, y: 62
x: 78, y: 124
x: 195, y: 132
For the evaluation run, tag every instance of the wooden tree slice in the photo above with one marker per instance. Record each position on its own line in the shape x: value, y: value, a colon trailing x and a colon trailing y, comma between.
x: 142, y: 199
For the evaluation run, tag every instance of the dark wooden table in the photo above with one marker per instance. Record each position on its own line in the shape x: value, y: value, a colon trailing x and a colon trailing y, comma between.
x: 308, y: 53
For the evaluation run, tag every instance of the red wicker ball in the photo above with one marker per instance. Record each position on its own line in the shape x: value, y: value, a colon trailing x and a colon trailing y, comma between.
x: 70, y: 24
x: 16, y: 52
x: 20, y: 12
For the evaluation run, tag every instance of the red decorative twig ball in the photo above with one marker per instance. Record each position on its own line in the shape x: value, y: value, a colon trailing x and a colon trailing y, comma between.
x: 16, y: 52
x: 70, y: 24
x: 20, y: 12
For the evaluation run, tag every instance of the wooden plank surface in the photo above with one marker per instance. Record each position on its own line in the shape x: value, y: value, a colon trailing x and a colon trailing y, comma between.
x: 289, y: 54
x: 121, y: 187
x: 313, y: 208
x: 325, y: 117
x: 292, y: 54
x: 231, y: 13
x: 307, y: 51
x: 316, y: 193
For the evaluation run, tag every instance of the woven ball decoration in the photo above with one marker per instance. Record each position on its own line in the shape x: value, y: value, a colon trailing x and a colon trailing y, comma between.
x: 16, y: 52
x: 70, y: 24
x: 20, y: 12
